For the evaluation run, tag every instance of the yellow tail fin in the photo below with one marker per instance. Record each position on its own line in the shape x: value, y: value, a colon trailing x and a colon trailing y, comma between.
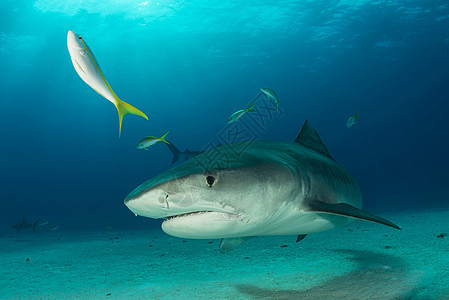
x: 123, y: 109
x: 251, y: 108
x: 163, y: 138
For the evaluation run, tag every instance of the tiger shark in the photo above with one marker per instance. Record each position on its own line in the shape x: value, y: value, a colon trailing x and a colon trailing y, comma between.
x: 270, y: 188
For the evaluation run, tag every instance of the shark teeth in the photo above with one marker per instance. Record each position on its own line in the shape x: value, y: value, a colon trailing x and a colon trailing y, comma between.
x: 187, y: 214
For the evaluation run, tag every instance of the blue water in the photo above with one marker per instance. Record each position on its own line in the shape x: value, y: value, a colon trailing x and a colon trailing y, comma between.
x: 189, y: 65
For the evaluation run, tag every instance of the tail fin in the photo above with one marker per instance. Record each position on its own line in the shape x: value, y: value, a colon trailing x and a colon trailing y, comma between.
x: 35, y: 225
x: 356, y: 115
x: 251, y: 108
x: 175, y: 151
x: 163, y: 138
x: 123, y: 109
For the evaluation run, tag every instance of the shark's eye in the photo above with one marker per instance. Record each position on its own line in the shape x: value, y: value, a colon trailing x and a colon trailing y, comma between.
x: 210, y: 180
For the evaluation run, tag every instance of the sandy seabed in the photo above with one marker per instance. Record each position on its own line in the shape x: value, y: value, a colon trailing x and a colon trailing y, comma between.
x: 360, y: 261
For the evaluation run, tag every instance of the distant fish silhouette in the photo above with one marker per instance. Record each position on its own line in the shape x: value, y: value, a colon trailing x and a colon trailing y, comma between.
x: 53, y: 228
x: 25, y: 226
x: 351, y: 120
x: 271, y: 94
x: 177, y: 153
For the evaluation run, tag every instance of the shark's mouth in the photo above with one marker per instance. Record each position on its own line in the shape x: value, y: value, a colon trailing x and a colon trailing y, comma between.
x: 201, y: 213
x: 187, y: 214
x: 202, y: 224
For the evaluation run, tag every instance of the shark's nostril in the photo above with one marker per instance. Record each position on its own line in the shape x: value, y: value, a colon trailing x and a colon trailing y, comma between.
x: 163, y: 199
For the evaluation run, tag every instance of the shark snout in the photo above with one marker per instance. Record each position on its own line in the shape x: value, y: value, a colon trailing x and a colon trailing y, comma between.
x: 153, y: 204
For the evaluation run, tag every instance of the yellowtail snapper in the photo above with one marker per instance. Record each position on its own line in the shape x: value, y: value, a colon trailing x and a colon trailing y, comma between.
x: 238, y: 114
x: 89, y: 70
x: 149, y: 141
x: 351, y: 120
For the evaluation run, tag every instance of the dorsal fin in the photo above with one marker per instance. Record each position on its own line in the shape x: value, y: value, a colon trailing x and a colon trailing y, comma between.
x: 310, y: 139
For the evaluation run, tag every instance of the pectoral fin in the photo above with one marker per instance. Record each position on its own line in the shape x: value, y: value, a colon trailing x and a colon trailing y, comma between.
x: 347, y: 210
x: 228, y: 244
x: 78, y: 67
x: 300, y: 237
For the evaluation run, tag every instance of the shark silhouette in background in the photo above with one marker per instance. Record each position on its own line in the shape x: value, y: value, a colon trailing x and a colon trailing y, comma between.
x: 25, y: 226
x: 177, y: 153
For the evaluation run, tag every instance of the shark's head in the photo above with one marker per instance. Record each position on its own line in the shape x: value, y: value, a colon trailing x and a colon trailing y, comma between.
x: 215, y: 202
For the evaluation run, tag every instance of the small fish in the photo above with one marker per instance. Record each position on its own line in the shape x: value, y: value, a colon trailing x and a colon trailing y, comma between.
x: 271, y: 95
x: 238, y: 114
x: 43, y: 223
x: 351, y: 120
x: 148, y: 141
x: 54, y: 228
x: 90, y: 72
